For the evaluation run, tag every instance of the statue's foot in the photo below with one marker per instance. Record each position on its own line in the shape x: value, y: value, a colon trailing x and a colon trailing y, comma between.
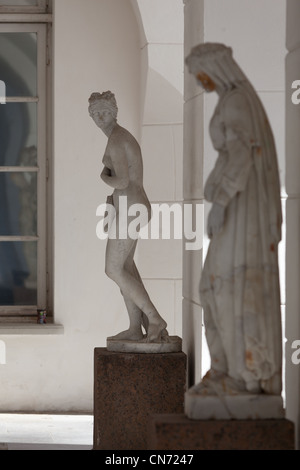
x: 165, y: 336
x: 219, y: 383
x: 157, y: 332
x: 253, y: 386
x: 129, y: 335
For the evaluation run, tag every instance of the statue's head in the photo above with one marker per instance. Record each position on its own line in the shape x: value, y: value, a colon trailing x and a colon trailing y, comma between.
x: 213, y: 64
x: 103, y: 100
x: 103, y: 108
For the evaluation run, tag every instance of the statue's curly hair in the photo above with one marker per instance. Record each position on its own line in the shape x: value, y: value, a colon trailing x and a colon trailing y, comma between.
x: 106, y: 97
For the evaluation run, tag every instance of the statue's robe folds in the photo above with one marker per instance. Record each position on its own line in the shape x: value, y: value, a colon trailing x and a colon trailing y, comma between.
x: 239, y: 287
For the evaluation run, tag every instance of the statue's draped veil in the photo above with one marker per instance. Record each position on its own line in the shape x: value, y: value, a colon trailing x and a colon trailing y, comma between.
x: 216, y: 61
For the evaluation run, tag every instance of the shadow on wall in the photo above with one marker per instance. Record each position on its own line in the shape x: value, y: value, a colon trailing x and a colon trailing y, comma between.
x: 163, y: 103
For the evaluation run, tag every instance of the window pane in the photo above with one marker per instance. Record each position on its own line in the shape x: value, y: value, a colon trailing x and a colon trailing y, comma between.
x: 18, y: 273
x: 18, y: 204
x: 18, y: 134
x: 18, y: 63
x: 12, y: 3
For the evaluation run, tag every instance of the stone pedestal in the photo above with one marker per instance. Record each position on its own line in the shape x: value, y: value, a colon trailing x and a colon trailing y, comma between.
x: 177, y: 432
x: 128, y: 389
x: 245, y: 406
x: 174, y: 344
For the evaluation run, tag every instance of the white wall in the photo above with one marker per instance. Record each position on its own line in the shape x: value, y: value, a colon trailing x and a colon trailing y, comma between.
x: 160, y: 261
x: 96, y: 48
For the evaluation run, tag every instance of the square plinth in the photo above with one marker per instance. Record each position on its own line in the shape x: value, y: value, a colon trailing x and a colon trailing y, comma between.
x: 171, y: 432
x: 245, y: 406
x: 128, y: 389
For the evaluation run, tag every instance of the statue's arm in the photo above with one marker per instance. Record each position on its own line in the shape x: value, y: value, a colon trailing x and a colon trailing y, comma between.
x: 213, y: 178
x: 116, y: 177
x: 239, y: 145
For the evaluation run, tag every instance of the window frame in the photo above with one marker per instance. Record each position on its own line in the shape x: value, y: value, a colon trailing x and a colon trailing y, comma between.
x: 43, y: 6
x: 43, y: 99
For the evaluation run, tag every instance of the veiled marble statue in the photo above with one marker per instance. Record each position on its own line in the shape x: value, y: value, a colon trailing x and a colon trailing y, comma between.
x: 239, y: 287
x: 123, y: 172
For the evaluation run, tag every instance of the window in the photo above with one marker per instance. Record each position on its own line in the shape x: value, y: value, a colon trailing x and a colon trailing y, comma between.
x: 24, y: 160
x: 24, y: 6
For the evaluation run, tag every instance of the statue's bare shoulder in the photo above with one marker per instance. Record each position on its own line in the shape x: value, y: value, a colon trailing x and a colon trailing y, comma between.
x: 121, y: 138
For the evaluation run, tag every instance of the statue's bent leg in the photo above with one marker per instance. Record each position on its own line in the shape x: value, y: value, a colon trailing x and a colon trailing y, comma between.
x: 117, y: 253
x: 134, y: 332
x: 130, y: 266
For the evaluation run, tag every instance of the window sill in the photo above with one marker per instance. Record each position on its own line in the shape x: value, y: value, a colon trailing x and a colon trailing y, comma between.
x: 30, y: 329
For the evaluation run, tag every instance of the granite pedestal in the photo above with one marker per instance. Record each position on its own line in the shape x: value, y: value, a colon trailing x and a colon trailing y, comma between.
x: 171, y: 432
x: 128, y: 389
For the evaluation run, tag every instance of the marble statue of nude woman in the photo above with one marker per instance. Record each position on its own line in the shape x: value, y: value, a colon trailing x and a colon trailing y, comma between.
x: 123, y: 171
